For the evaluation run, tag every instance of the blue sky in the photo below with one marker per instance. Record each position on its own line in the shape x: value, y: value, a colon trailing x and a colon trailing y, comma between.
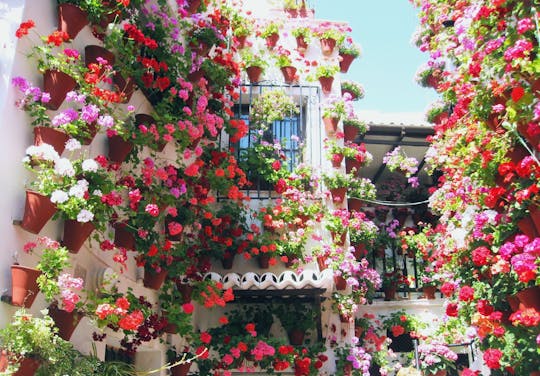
x: 389, y: 61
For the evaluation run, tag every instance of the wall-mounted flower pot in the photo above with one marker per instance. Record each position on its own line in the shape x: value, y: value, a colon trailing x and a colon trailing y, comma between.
x: 401, y: 343
x: 195, y: 77
x: 292, y: 13
x: 57, y: 84
x: 353, y: 95
x: 181, y: 369
x: 24, y: 287
x: 271, y: 40
x: 301, y: 44
x: 27, y: 367
x: 350, y: 132
x: 124, y: 86
x: 52, y: 136
x: 193, y: 6
x: 254, y: 74
x: 529, y: 298
x: 354, y: 204
x: 91, y: 130
x: 38, y: 210
x: 71, y: 19
x: 345, y: 62
x: 429, y: 292
x: 337, y: 159
x: 360, y: 251
x: 241, y: 41
x: 527, y: 227
x: 340, y: 283
x: 185, y: 290
x: 327, y: 46
x: 92, y: 52
x: 345, y: 318
x: 339, y: 239
x: 154, y: 280
x: 264, y: 260
x: 352, y: 163
x: 227, y: 260
x: 119, y: 149
x: 296, y: 337
x: 289, y: 74
x: 326, y: 84
x: 65, y: 321
x: 122, y: 237
x: 75, y: 234
x: 338, y: 194
x: 330, y: 125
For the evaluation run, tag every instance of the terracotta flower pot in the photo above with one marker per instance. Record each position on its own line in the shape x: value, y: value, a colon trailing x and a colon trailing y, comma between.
x: 122, y: 237
x: 241, y: 41
x: 24, y: 287
x: 271, y: 40
x: 429, y: 291
x: 347, y: 369
x: 254, y: 74
x: 353, y: 95
x: 289, y: 74
x: 326, y: 84
x: 534, y: 211
x: 228, y: 260
x: 71, y: 19
x: 65, y: 321
x: 91, y: 130
x: 350, y: 132
x: 185, y: 290
x: 57, y: 84
x: 529, y: 298
x: 321, y: 262
x: 345, y: 62
x: 340, y: 283
x: 389, y: 293
x: 119, y: 149
x: 193, y: 6
x: 153, y: 280
x: 126, y: 87
x: 345, y: 319
x: 75, y: 234
x: 336, y: 160
x: 38, y: 210
x: 339, y: 239
x: 338, y: 194
x: 292, y: 13
x: 330, y: 125
x: 527, y: 227
x: 360, y: 251
x: 264, y: 261
x: 296, y: 337
x: 327, y: 46
x: 301, y: 44
x: 441, y: 372
x: 352, y: 163
x: 52, y: 136
x: 181, y: 369
x: 27, y: 367
x: 195, y: 77
x: 354, y: 204
x: 92, y: 52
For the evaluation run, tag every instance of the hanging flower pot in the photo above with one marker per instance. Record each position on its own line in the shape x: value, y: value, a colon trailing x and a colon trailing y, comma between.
x: 119, y: 149
x: 340, y: 282
x: 327, y: 46
x: 330, y: 125
x: 336, y: 160
x: 65, y: 321
x: 93, y: 52
x: 227, y: 260
x: 38, y: 209
x: 126, y: 87
x: 429, y: 291
x: 296, y: 337
x: 289, y: 74
x: 301, y: 44
x: 75, y: 234
x: 181, y: 369
x: 529, y: 298
x: 71, y: 19
x: 27, y: 367
x: 24, y: 287
x: 57, y: 84
x: 326, y: 84
x: 354, y: 204
x: 254, y: 74
x: 338, y: 194
x: 264, y: 260
x: 271, y: 40
x: 345, y: 62
x: 153, y: 280
x: 122, y: 237
x: 350, y: 132
x: 52, y: 136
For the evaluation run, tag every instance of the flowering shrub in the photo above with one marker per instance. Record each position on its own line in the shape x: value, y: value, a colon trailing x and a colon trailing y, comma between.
x: 348, y: 47
x: 400, y: 322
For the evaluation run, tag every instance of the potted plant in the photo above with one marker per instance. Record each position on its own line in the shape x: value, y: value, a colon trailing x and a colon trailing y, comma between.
x: 351, y: 359
x: 361, y: 188
x: 270, y: 106
x: 430, y: 75
x: 337, y: 223
x: 334, y: 109
x: 352, y: 126
x: 437, y: 112
x: 242, y: 28
x: 348, y: 51
x: 284, y: 62
x: 303, y: 36
x: 354, y: 89
x: 397, y: 160
x: 270, y: 32
x: 337, y: 184
x: 297, y: 319
x: 362, y: 233
x: 329, y: 37
x: 435, y: 358
x: 402, y: 327
x: 391, y: 282
x: 325, y: 74
x: 291, y: 7
x: 254, y: 65
x: 356, y: 157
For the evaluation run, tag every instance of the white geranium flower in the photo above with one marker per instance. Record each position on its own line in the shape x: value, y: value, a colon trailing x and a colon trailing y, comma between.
x: 85, y: 216
x: 90, y: 165
x: 64, y: 167
x: 72, y: 144
x: 77, y: 191
x: 44, y: 152
x: 59, y: 197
